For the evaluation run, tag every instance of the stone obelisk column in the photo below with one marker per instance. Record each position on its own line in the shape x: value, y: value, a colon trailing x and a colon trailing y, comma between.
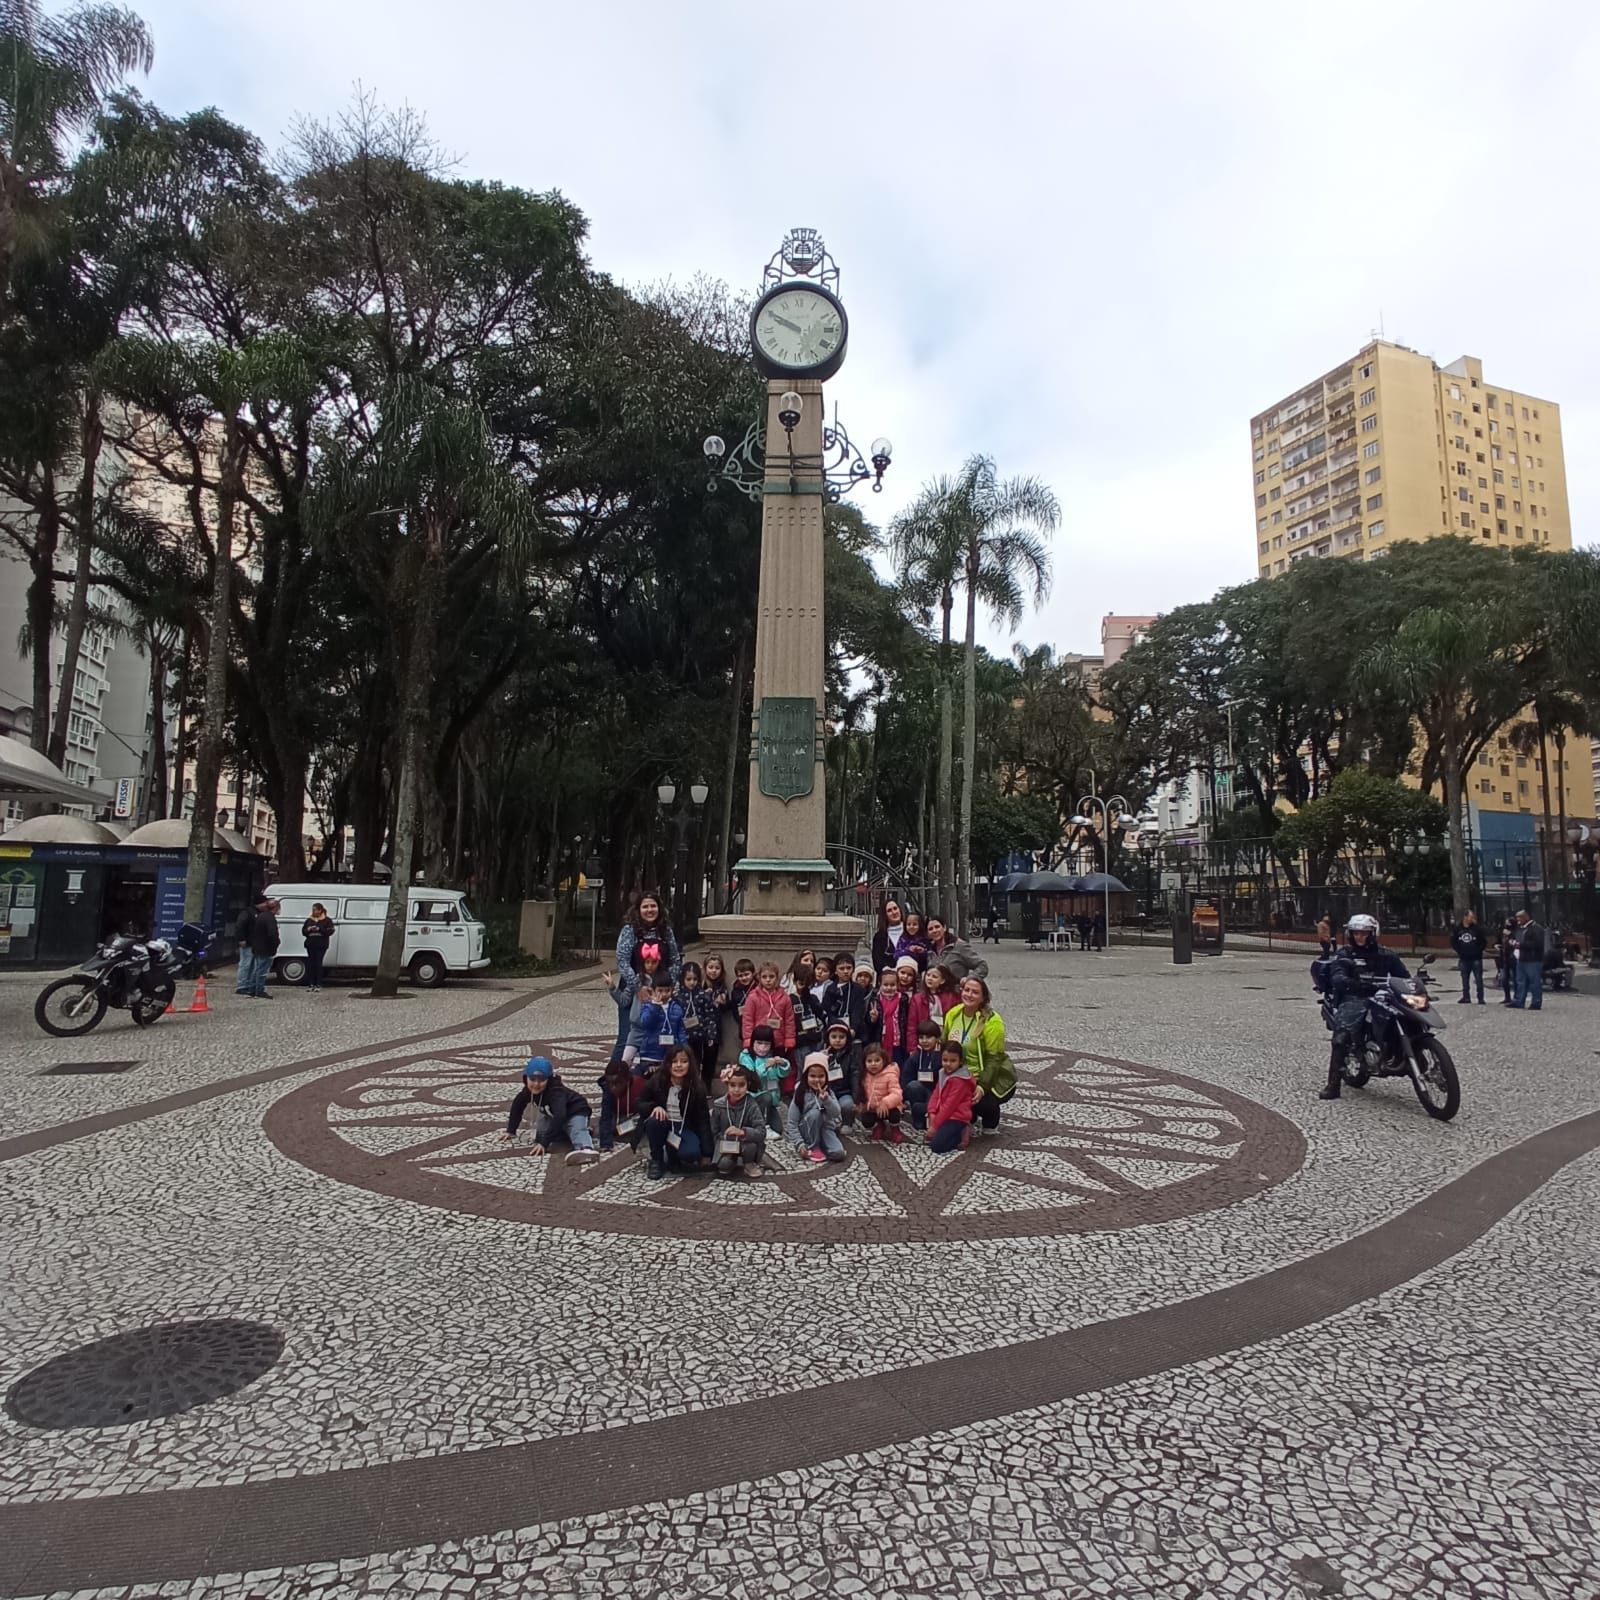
x: 785, y: 869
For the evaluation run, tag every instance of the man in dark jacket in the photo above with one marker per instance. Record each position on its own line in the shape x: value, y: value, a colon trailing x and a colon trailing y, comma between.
x: 559, y: 1113
x: 258, y: 944
x: 1466, y: 939
x: 1361, y: 964
x: 1530, y: 964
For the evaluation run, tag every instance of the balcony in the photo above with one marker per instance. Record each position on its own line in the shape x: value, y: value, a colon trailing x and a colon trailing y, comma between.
x: 1342, y: 460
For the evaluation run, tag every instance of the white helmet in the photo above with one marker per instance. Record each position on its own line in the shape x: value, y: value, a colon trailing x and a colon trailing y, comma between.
x: 1362, y: 923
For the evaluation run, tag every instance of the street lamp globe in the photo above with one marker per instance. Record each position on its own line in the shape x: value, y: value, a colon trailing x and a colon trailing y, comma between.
x: 714, y: 448
x: 665, y: 791
x: 1080, y: 822
x: 698, y: 793
x: 790, y: 406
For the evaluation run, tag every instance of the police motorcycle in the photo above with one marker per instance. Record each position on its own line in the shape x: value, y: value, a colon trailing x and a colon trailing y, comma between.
x: 1399, y: 1039
x: 138, y: 976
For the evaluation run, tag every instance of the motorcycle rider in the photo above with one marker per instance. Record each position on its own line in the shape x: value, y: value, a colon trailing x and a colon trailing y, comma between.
x: 1361, y: 964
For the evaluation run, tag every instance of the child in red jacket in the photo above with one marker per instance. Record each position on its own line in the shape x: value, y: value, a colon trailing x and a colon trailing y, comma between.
x: 768, y: 1004
x: 950, y: 1109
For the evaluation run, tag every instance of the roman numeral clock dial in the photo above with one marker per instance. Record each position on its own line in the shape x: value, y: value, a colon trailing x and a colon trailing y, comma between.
x: 798, y: 330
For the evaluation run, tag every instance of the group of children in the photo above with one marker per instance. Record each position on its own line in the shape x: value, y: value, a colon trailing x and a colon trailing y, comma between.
x: 801, y: 1057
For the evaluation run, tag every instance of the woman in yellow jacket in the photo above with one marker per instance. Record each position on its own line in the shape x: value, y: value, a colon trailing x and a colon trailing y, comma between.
x: 981, y: 1032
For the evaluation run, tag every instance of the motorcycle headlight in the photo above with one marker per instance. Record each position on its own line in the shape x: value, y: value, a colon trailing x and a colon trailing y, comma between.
x: 1417, y: 1002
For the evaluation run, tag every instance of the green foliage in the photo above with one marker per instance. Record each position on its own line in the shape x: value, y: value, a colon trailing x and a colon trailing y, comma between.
x: 1003, y: 823
x: 1362, y: 813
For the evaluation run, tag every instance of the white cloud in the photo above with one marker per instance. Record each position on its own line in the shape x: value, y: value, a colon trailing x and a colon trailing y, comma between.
x: 1089, y: 240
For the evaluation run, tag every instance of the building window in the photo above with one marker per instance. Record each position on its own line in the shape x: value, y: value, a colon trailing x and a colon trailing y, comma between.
x: 1516, y: 505
x: 1261, y: 477
x: 1370, y: 449
x: 1461, y: 469
x: 1499, y: 476
x: 1459, y: 442
x: 1465, y: 495
x: 1277, y: 517
x: 1524, y: 413
x: 1366, y: 371
x: 1493, y: 402
x: 1274, y: 470
x: 1466, y: 519
x: 1368, y: 396
x: 1374, y: 473
x: 1501, y: 526
x: 1276, y: 494
x: 1369, y: 424
x: 1261, y: 500
x: 1455, y: 391
x: 1375, y: 530
x: 1500, y: 502
x: 1374, y: 501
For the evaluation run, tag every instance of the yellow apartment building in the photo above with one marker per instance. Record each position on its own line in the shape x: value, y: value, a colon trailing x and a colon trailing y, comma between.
x: 1388, y: 445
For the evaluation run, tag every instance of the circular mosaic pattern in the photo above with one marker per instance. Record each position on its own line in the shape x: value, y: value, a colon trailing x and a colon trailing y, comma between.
x: 145, y: 1373
x: 1086, y: 1144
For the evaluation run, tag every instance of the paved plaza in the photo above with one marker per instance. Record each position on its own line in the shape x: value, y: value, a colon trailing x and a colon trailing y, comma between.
x: 283, y: 1317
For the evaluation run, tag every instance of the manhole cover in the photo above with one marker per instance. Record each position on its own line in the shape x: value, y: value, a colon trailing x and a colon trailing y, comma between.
x: 87, y: 1066
x: 145, y: 1373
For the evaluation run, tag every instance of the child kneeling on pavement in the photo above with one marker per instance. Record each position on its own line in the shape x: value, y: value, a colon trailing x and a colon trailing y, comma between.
x: 950, y: 1109
x: 814, y: 1115
x: 881, y: 1094
x: 559, y: 1113
x: 677, y: 1116
x: 738, y: 1128
x: 620, y: 1089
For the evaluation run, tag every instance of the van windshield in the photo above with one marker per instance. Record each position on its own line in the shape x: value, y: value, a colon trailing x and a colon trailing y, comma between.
x: 466, y: 911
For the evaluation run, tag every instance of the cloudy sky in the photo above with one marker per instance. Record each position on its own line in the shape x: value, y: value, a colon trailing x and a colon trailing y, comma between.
x: 1090, y: 241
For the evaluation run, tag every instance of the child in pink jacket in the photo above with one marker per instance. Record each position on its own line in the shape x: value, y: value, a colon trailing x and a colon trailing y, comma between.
x: 881, y: 1098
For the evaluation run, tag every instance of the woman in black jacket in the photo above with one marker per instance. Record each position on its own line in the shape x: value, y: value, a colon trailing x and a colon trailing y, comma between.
x: 891, y: 924
x: 317, y: 931
x: 677, y: 1115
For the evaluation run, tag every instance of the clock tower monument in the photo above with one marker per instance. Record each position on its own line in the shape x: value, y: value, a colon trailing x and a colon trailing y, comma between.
x: 798, y: 335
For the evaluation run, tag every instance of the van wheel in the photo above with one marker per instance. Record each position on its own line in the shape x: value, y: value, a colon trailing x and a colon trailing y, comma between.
x: 292, y: 970
x: 427, y: 971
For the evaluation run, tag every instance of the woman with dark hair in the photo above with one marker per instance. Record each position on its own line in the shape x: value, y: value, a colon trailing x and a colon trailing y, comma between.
x: 807, y: 1013
x: 645, y: 923
x: 947, y: 950
x: 891, y: 924
x: 978, y: 1028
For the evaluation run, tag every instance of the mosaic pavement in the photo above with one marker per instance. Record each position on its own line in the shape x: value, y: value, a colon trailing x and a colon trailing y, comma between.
x: 1178, y: 1330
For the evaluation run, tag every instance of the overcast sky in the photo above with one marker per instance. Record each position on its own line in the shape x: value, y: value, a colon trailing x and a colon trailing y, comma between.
x: 1090, y: 241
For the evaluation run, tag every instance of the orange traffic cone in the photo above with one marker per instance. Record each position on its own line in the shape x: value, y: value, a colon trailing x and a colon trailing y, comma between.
x: 198, y: 1004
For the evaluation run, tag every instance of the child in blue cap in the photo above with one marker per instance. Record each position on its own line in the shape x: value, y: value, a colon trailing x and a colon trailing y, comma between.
x: 559, y: 1113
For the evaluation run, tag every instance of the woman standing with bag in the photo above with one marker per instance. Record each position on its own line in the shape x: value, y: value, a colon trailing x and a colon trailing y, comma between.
x: 981, y: 1032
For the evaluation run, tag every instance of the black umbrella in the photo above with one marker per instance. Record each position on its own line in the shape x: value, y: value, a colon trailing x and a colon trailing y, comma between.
x: 1100, y: 883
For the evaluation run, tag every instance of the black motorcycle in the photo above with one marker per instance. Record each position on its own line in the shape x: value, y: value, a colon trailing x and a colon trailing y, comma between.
x: 1400, y: 1042
x: 136, y: 976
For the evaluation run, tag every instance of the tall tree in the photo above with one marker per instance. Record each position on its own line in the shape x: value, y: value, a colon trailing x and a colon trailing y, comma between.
x: 55, y: 74
x: 1460, y: 672
x: 432, y: 491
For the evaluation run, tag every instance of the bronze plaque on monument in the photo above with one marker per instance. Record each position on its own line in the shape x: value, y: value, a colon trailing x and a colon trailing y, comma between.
x: 786, y: 746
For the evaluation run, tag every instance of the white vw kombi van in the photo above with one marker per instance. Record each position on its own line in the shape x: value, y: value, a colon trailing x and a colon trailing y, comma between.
x: 442, y: 935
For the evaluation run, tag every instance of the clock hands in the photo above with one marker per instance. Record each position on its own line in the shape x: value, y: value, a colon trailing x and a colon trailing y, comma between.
x: 793, y: 327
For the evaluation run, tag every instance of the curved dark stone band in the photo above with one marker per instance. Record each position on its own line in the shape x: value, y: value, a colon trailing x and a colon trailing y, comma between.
x: 162, y: 1536
x: 27, y: 1144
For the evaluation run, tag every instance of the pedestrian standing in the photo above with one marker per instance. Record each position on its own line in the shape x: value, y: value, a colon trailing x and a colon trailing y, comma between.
x: 317, y: 931
x: 258, y: 944
x: 891, y: 924
x: 646, y: 924
x: 1506, y: 960
x: 1530, y: 964
x: 1466, y: 939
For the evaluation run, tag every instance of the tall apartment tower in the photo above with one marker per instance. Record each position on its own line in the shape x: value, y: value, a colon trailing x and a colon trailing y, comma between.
x: 1388, y: 445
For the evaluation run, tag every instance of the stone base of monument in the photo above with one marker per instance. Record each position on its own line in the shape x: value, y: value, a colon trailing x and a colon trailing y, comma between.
x: 781, y: 936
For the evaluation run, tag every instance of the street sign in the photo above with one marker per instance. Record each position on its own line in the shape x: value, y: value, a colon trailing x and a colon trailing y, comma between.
x: 124, y: 805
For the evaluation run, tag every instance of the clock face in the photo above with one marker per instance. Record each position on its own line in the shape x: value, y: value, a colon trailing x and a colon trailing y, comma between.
x: 799, y: 329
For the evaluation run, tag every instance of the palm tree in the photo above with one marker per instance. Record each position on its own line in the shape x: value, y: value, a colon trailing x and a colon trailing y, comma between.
x: 55, y: 74
x: 428, y: 493
x: 927, y: 556
x: 989, y: 538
